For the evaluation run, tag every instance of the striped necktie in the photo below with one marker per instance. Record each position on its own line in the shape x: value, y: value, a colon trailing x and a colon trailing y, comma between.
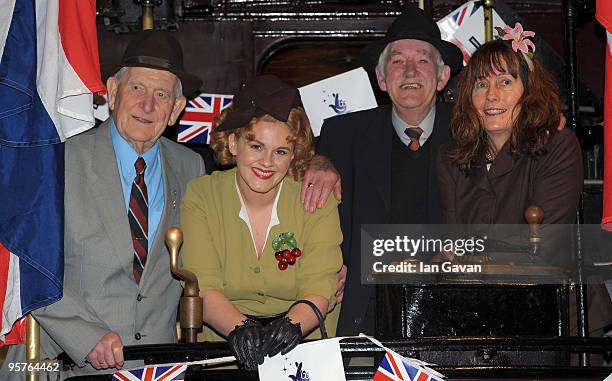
x: 414, y: 133
x: 138, y: 216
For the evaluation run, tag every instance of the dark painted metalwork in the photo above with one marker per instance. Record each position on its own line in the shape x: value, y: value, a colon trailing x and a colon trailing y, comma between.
x: 366, y: 373
x: 164, y: 353
x: 448, y: 311
x: 569, y: 24
x: 160, y: 353
x: 569, y: 18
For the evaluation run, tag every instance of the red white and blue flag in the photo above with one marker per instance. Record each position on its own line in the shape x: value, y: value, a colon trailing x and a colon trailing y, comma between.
x: 198, y: 120
x: 604, y: 16
x: 166, y: 372
x: 48, y: 71
x: 464, y: 27
x: 464, y: 12
x: 397, y: 368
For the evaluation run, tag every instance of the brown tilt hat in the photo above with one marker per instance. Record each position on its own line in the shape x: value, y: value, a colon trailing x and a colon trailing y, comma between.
x: 262, y: 95
x: 156, y: 50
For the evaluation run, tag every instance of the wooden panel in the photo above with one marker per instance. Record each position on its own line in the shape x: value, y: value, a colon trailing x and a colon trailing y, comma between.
x: 239, y: 38
x: 218, y: 52
x: 301, y: 64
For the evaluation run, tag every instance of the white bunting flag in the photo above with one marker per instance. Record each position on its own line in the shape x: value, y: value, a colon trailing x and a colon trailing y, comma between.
x: 341, y: 94
x: 315, y: 361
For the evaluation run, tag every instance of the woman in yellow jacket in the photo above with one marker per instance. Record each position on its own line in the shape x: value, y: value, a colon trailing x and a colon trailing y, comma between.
x: 266, y: 269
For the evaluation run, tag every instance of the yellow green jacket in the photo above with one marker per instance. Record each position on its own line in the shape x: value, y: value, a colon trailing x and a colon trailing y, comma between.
x: 219, y: 249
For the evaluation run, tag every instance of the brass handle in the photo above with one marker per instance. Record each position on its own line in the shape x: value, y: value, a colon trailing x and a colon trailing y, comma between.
x: 32, y: 345
x: 174, y: 240
x: 534, y: 216
x: 191, y: 319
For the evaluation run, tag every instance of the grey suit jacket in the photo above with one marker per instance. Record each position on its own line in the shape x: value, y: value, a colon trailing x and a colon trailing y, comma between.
x: 100, y: 293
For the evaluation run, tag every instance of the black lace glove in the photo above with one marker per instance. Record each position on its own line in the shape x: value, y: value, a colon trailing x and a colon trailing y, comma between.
x: 246, y: 341
x: 281, y: 335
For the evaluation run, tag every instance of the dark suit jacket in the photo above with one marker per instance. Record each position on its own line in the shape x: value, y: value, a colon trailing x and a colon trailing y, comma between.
x: 359, y: 145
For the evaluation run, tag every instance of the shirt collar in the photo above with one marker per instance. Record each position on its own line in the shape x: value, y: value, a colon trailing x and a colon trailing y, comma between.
x: 244, y: 215
x: 426, y: 125
x: 126, y: 155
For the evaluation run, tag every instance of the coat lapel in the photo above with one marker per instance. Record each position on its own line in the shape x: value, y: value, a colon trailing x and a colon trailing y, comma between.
x: 503, y: 164
x: 439, y: 137
x: 108, y: 197
x: 169, y: 215
x: 375, y: 149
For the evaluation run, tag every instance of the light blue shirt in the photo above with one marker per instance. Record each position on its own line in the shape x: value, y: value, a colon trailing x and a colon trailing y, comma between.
x: 426, y: 125
x: 126, y: 157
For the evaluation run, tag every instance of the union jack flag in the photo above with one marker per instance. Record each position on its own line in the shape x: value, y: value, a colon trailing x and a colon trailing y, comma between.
x: 397, y: 368
x: 197, y: 122
x: 152, y: 373
x: 467, y: 9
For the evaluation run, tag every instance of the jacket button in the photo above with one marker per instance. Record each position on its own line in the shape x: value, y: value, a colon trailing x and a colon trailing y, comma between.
x: 137, y: 336
x: 139, y: 298
x: 256, y: 270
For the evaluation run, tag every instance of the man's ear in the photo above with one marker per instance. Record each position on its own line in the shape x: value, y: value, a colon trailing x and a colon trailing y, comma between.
x: 179, y: 105
x: 111, y: 85
x: 443, y: 80
x: 381, y: 80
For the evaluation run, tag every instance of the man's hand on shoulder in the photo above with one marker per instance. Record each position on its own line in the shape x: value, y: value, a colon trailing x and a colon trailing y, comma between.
x: 562, y: 122
x: 320, y: 179
x: 107, y: 353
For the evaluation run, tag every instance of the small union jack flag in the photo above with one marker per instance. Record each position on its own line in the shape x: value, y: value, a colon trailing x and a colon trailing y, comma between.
x: 397, y: 368
x: 198, y: 120
x: 152, y: 373
x: 468, y: 9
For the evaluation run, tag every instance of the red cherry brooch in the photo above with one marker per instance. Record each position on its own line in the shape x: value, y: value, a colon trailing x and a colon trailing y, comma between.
x: 286, y: 250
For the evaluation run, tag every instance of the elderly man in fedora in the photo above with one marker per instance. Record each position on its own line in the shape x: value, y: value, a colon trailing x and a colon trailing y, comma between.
x: 386, y: 156
x: 124, y: 184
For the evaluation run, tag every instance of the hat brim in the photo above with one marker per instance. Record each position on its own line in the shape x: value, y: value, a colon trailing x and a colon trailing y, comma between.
x: 190, y: 83
x: 277, y: 105
x: 451, y: 55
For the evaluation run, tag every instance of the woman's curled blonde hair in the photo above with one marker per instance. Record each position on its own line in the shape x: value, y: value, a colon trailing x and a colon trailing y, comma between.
x: 300, y: 137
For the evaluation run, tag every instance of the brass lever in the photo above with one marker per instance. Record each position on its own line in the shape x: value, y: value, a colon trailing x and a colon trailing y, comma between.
x: 191, y: 304
x: 534, y: 216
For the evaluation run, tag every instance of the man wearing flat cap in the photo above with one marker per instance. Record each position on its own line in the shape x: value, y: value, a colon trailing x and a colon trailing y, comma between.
x: 124, y: 184
x: 386, y: 156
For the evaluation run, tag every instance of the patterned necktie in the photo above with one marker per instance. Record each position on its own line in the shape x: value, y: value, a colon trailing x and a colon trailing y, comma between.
x: 138, y: 216
x: 414, y: 134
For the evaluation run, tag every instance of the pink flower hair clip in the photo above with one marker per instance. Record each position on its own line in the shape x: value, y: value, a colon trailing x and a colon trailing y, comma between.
x: 520, y: 40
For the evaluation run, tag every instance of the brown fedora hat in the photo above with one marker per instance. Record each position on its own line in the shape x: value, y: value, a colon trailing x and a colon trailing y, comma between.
x: 265, y: 94
x: 156, y: 50
x: 414, y: 24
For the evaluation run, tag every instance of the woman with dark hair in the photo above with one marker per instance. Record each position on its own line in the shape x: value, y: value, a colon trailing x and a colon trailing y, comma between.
x: 506, y: 151
x: 266, y: 268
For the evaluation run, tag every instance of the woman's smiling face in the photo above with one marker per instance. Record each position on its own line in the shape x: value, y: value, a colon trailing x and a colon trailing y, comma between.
x: 496, y: 98
x: 262, y: 155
